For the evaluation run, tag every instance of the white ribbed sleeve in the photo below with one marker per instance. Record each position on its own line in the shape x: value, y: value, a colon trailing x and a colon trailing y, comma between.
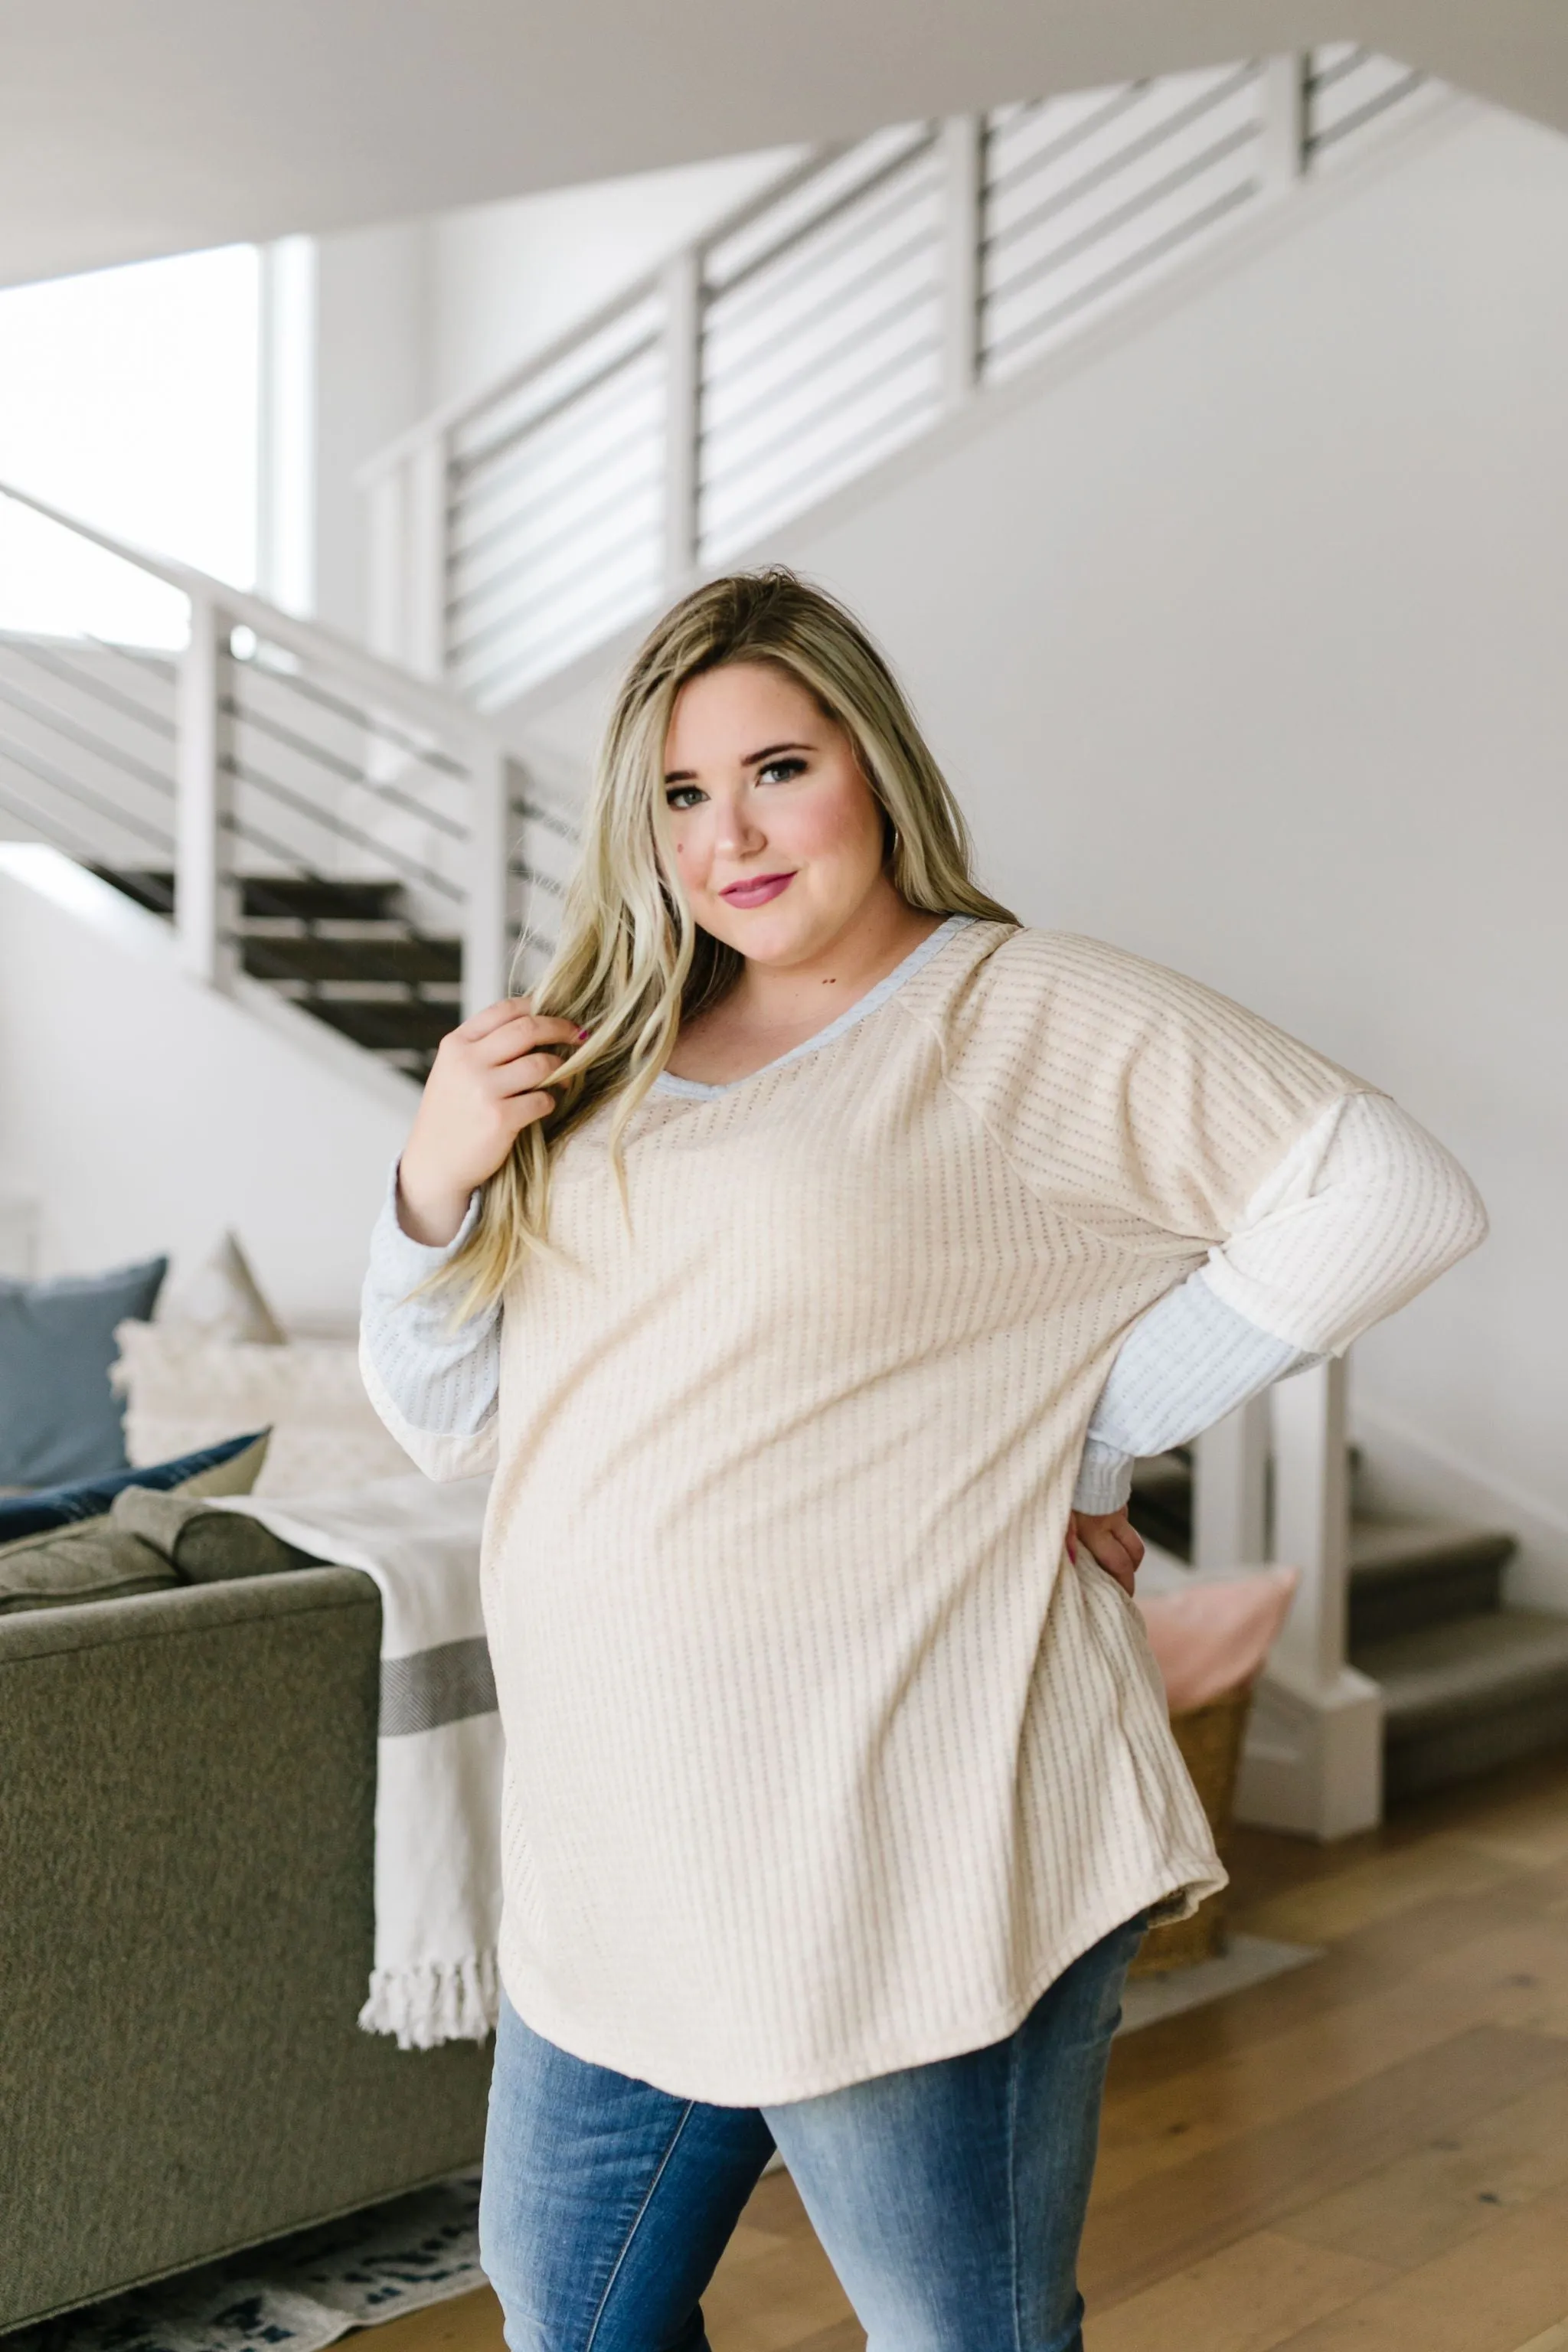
x: 434, y: 1383
x: 1361, y: 1213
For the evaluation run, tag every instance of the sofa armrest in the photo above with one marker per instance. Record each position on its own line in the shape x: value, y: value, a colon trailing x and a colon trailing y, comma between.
x: 186, y: 1931
x: 181, y: 1610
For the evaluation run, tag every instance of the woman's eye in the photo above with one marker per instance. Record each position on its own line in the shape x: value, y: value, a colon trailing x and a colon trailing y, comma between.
x: 779, y: 772
x: 684, y: 796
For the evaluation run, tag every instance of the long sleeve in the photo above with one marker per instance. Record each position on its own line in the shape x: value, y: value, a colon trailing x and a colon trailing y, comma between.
x: 434, y: 1385
x: 1359, y: 1216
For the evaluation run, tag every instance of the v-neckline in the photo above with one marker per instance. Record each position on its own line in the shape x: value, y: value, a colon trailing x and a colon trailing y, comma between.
x: 702, y: 1090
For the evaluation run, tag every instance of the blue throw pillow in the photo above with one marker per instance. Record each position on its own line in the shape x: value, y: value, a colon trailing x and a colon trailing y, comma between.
x: 61, y: 1422
x: 57, y: 1507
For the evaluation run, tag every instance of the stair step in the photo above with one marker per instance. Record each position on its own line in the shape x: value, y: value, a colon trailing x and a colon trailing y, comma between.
x: 390, y: 955
x: 313, y: 899
x: 1405, y: 1573
x: 343, y: 951
x: 402, y: 1026
x: 1467, y: 1695
x: 1410, y: 1574
x: 301, y: 898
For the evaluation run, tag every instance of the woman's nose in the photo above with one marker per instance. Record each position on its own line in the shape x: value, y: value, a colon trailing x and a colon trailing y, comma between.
x: 737, y: 829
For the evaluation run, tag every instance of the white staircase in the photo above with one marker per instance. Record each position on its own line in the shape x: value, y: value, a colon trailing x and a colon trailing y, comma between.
x: 359, y: 838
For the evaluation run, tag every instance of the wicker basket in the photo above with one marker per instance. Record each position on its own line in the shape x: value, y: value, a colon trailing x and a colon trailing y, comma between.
x: 1210, y: 1740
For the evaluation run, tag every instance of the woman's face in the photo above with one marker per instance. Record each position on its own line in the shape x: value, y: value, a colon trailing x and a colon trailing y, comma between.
x: 777, y: 837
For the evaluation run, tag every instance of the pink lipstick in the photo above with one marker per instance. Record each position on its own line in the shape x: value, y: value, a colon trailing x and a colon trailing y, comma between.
x: 757, y: 891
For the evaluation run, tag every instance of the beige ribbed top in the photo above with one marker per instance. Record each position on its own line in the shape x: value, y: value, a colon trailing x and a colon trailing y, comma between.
x: 821, y: 1758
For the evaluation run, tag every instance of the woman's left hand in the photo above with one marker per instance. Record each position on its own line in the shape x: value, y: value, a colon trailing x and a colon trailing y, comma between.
x: 1111, y: 1537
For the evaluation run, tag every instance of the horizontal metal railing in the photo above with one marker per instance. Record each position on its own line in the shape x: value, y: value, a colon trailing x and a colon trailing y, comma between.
x: 302, y: 810
x: 830, y: 319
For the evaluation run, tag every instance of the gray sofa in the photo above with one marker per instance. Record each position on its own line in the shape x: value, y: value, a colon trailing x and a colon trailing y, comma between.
x: 187, y: 1782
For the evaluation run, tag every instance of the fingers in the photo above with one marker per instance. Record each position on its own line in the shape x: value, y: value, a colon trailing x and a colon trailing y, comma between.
x: 522, y: 1111
x: 523, y: 1034
x: 1111, y: 1541
x: 544, y: 1027
x: 480, y: 1025
x: 521, y: 1076
x: 1114, y: 1557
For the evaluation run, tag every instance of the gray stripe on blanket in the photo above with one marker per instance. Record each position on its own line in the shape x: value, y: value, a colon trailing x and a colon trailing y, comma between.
x: 435, y: 1687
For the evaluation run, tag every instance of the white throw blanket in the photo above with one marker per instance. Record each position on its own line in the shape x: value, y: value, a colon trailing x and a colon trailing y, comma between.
x: 438, y: 1756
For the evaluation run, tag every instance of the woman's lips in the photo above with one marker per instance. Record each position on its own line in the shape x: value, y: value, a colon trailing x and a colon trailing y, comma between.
x: 758, y: 892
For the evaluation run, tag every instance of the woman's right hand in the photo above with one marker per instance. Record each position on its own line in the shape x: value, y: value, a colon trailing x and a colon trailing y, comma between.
x: 490, y: 1080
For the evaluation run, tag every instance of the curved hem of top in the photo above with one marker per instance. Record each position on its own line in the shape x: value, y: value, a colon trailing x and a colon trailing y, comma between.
x: 1197, y: 1883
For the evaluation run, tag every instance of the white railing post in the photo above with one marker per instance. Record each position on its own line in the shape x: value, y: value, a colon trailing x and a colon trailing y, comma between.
x: 1283, y: 98
x: 1230, y: 1489
x: 486, y: 935
x: 683, y: 417
x: 963, y: 165
x: 1314, y: 1760
x: 1311, y: 1514
x: 425, y: 521
x: 205, y: 900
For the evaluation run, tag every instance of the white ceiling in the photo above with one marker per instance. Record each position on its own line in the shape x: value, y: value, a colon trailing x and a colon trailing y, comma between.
x: 137, y: 127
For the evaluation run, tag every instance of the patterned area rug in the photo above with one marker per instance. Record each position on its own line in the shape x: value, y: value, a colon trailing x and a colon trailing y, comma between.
x: 296, y: 2293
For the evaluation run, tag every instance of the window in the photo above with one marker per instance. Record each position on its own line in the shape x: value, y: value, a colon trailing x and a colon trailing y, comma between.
x: 129, y: 398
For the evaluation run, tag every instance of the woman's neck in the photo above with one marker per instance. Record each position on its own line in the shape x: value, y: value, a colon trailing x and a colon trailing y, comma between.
x: 772, y: 1008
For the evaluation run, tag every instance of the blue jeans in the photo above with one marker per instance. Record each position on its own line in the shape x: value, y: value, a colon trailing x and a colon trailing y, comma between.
x: 949, y: 2198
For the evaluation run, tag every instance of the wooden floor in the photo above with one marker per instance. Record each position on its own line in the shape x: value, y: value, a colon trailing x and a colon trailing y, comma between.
x: 1367, y: 2155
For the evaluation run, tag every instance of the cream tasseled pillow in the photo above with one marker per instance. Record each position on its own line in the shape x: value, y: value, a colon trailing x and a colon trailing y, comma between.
x: 184, y: 1389
x: 220, y: 1296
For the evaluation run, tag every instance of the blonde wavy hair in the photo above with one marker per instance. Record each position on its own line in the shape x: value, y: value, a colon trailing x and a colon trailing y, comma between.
x: 631, y: 964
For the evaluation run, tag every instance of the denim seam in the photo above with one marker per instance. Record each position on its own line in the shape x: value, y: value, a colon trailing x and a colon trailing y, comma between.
x: 1013, y: 2186
x: 637, y: 2224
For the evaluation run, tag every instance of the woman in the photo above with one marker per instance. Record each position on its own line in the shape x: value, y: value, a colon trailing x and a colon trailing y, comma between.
x: 810, y: 1259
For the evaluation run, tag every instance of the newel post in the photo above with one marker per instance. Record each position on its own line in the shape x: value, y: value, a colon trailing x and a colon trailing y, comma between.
x: 1230, y: 1489
x: 1338, y: 1711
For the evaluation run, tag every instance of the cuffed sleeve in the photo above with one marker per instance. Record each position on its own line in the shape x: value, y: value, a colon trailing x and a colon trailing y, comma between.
x: 1362, y: 1211
x: 1104, y: 1478
x: 433, y: 1382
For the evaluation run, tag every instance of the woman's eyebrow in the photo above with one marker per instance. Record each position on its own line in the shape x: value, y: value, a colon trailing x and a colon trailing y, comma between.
x: 753, y: 759
x: 756, y: 758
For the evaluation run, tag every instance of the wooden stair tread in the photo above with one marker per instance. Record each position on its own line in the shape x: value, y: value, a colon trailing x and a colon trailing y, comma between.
x: 1393, y: 1547
x: 1466, y: 1664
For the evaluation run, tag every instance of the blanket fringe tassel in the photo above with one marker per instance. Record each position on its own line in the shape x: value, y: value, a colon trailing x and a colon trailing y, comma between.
x: 439, y: 2000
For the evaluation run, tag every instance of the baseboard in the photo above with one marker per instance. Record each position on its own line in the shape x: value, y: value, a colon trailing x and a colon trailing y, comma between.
x: 1403, y: 1471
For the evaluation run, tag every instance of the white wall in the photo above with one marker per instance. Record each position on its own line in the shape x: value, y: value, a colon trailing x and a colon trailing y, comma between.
x: 145, y: 1114
x: 373, y: 379
x: 1244, y: 645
